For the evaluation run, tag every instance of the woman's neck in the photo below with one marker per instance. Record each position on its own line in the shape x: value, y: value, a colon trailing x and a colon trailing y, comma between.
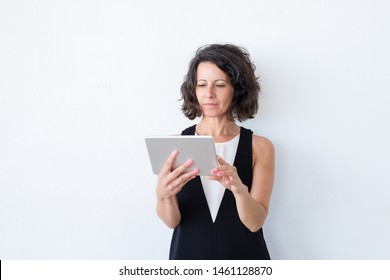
x: 221, y: 129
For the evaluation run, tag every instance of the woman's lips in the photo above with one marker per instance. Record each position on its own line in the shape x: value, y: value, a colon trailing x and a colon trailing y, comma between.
x: 207, y: 105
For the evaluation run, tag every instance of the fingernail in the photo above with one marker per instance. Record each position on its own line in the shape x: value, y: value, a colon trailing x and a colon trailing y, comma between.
x: 175, y: 152
x: 219, y: 173
x: 213, y: 171
x: 189, y: 162
x: 196, y: 171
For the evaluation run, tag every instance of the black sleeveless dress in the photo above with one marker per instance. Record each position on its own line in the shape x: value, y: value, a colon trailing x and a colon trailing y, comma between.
x: 197, y: 237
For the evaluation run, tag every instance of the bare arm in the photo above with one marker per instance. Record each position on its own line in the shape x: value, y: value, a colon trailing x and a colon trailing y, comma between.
x: 252, y: 207
x: 169, y: 183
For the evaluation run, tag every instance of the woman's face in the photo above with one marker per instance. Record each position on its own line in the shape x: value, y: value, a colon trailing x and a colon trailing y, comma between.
x: 213, y: 90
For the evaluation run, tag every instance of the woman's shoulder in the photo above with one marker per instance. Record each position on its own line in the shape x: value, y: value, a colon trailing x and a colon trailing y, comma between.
x: 263, y: 149
x: 259, y: 143
x: 262, y: 142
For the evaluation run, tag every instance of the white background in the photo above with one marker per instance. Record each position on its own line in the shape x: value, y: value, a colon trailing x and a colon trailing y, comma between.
x: 82, y: 82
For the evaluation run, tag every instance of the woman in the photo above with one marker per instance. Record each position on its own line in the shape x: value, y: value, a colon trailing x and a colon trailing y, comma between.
x: 220, y: 216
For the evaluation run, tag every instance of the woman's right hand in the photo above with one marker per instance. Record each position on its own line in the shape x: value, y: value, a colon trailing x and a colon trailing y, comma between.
x: 169, y: 181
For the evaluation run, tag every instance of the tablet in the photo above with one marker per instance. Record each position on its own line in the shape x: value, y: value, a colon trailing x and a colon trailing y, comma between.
x: 201, y: 149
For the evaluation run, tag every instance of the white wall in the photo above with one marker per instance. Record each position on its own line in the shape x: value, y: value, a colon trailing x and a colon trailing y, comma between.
x: 81, y: 83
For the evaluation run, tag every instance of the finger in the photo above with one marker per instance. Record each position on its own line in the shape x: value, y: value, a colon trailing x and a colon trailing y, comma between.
x: 220, y: 168
x: 169, y: 181
x: 169, y: 163
x: 177, y: 184
x: 223, y: 165
x: 221, y: 161
x: 227, y: 172
x: 185, y: 178
x: 214, y: 178
x: 180, y: 169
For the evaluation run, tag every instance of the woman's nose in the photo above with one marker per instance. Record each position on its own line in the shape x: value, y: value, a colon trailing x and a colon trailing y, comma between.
x: 209, y: 93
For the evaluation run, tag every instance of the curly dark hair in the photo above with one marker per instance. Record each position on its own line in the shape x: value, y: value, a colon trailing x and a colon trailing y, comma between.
x: 236, y: 63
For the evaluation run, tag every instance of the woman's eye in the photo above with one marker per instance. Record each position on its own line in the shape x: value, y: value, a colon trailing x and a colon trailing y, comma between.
x: 220, y: 85
x: 201, y: 85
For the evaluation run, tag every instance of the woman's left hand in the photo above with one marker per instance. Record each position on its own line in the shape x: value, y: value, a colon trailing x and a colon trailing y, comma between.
x: 227, y: 175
